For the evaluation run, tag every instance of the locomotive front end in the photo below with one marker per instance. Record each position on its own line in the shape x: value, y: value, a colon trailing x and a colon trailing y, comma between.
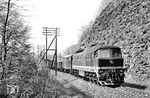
x: 110, y: 62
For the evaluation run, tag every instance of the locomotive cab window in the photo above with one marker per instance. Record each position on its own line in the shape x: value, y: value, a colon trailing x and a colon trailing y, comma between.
x: 116, y: 52
x: 104, y: 53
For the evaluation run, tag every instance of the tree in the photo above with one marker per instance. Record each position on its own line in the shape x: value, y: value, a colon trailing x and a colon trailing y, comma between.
x: 85, y: 34
x: 71, y: 50
x: 4, y: 47
x: 15, y: 53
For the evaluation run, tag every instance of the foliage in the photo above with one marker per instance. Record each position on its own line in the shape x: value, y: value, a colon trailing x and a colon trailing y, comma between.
x: 71, y: 50
x: 41, y: 84
x: 17, y: 46
x: 18, y: 58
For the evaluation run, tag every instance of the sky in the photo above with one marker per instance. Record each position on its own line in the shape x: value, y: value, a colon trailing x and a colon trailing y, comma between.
x: 68, y: 15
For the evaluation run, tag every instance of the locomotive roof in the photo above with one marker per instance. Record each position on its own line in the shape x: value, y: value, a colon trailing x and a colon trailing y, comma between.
x: 96, y: 47
x: 109, y: 46
x: 93, y: 48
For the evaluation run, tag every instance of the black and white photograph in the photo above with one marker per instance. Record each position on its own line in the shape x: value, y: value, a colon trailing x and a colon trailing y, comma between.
x: 74, y: 49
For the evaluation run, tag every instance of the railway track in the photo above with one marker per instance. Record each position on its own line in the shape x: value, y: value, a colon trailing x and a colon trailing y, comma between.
x: 132, y: 92
x: 127, y: 94
x: 105, y: 91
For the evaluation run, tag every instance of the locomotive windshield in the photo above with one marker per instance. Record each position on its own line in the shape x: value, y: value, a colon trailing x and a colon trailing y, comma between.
x: 116, y: 52
x: 107, y: 53
x: 110, y: 57
x: 104, y: 53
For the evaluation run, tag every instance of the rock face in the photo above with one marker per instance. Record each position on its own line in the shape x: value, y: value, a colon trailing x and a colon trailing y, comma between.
x: 125, y: 23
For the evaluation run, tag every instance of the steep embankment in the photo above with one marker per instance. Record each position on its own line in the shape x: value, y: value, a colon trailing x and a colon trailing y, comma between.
x: 125, y: 23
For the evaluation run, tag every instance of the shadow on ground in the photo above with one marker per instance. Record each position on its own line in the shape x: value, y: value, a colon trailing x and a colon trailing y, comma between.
x: 112, y: 86
x: 132, y: 85
x: 78, y: 93
x: 75, y: 92
x: 66, y: 81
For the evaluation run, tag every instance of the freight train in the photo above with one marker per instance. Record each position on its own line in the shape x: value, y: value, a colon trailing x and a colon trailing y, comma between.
x: 102, y: 65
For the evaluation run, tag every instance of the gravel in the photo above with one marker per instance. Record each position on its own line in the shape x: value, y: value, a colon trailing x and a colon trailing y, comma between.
x: 84, y: 89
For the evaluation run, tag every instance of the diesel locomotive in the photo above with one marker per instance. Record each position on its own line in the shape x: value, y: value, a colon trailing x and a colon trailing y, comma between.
x: 102, y: 65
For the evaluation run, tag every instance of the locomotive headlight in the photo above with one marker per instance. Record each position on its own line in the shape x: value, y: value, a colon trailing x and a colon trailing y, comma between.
x: 113, y: 70
x: 101, y: 71
x: 111, y: 61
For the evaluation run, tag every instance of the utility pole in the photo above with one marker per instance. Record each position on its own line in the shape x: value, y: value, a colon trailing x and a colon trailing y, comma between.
x: 46, y: 45
x: 56, y: 53
x: 38, y: 51
x: 45, y: 32
x: 51, y: 32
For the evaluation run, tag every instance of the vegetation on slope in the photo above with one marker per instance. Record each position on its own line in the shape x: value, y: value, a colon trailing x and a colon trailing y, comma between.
x: 125, y: 23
